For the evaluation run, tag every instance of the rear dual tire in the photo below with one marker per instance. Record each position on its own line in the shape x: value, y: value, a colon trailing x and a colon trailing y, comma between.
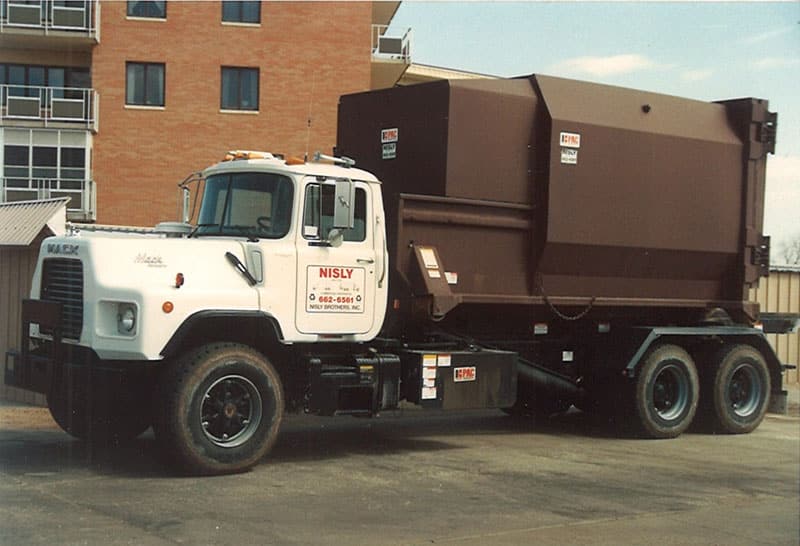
x: 736, y: 390
x: 666, y: 393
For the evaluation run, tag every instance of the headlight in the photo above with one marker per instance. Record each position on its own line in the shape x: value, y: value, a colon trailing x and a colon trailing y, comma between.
x: 126, y: 319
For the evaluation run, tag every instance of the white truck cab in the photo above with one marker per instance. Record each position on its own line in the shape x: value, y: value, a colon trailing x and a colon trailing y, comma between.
x: 268, y: 241
x: 312, y: 237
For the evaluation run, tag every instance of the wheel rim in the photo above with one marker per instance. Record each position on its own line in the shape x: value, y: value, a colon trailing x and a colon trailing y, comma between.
x: 744, y: 391
x: 670, y: 392
x: 231, y: 411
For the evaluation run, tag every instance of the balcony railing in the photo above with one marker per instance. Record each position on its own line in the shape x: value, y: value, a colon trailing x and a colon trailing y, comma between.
x: 79, y: 16
x: 49, y: 104
x: 82, y: 204
x: 391, y: 47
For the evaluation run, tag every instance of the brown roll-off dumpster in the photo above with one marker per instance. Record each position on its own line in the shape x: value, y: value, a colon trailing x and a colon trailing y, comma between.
x: 598, y: 232
x: 557, y: 195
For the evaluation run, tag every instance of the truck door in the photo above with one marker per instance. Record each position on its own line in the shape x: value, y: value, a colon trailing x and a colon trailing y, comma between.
x: 335, y: 284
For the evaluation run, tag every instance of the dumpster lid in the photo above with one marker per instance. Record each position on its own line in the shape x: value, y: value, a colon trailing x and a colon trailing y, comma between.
x: 634, y: 110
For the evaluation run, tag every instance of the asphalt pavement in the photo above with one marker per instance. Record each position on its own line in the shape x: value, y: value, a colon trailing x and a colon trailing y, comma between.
x: 411, y: 477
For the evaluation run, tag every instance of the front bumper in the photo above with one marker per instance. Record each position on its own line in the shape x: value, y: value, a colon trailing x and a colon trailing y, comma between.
x: 34, y: 369
x: 53, y: 364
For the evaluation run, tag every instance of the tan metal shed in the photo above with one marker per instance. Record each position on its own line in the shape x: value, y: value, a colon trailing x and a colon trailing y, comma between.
x: 23, y: 227
x: 780, y: 293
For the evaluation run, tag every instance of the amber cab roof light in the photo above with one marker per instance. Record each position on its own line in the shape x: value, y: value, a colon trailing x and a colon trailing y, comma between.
x: 235, y: 155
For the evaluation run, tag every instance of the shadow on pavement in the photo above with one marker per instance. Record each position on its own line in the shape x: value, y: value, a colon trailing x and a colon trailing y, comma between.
x: 302, y: 438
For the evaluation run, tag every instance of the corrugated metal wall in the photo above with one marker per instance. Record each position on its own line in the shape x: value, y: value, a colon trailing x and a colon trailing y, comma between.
x: 780, y: 293
x: 16, y: 269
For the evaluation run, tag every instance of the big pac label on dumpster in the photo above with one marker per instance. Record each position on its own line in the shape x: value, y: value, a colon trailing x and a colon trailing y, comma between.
x: 335, y: 289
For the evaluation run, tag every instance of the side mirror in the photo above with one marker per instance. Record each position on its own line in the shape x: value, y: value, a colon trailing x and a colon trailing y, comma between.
x: 186, y: 214
x: 335, y: 237
x: 343, y: 204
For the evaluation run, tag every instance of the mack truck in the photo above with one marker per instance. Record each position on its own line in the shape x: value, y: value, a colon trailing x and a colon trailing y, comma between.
x: 526, y: 244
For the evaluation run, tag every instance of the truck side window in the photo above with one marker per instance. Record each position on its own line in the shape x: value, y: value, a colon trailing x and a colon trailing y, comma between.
x: 318, y: 214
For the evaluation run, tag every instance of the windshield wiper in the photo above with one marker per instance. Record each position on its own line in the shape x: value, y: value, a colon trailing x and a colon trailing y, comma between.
x: 250, y: 231
x: 198, y: 226
x: 241, y: 268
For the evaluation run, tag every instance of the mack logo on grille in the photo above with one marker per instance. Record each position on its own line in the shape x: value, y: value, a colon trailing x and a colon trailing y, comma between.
x: 63, y: 249
x: 464, y: 374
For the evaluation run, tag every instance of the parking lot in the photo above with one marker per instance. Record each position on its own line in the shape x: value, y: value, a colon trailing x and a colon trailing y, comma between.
x: 411, y: 477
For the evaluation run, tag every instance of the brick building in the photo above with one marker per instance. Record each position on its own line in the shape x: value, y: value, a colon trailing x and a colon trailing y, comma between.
x: 113, y: 103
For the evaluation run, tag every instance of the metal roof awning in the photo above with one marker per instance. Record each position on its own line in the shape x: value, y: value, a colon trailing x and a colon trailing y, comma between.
x: 21, y: 222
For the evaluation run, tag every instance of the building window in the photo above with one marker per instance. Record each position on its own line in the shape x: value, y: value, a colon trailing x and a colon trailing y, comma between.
x: 40, y: 171
x: 147, y: 8
x: 239, y: 88
x: 241, y: 11
x: 18, y: 80
x: 16, y: 162
x: 73, y: 164
x: 144, y: 84
x: 44, y: 162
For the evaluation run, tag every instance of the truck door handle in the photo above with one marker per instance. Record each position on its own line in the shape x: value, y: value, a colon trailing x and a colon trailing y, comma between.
x: 365, y: 260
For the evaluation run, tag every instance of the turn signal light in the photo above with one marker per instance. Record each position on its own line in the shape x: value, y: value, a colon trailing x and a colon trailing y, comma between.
x: 167, y: 307
x: 179, y: 280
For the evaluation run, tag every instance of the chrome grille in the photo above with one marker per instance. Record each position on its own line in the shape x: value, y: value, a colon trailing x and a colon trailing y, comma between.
x: 62, y: 281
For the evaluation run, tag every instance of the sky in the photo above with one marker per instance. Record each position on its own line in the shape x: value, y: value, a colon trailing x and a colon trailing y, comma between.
x: 700, y: 50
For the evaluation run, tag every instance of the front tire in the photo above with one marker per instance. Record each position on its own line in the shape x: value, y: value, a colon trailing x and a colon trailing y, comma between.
x: 736, y: 394
x: 220, y: 409
x: 120, y: 418
x: 666, y: 393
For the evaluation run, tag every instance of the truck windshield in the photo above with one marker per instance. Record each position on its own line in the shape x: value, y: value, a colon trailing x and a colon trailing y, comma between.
x: 249, y: 204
